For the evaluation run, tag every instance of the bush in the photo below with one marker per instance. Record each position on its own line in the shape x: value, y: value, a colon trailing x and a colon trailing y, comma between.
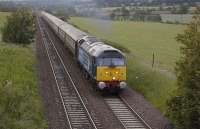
x: 19, y: 27
x: 184, y: 108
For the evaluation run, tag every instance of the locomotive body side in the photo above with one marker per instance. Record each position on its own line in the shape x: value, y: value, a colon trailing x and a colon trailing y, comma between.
x: 87, y: 62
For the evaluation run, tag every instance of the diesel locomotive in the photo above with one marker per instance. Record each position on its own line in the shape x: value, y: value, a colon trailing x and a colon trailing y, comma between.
x: 104, y: 64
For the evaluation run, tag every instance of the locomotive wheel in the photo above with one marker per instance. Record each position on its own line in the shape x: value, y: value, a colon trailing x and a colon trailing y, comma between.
x: 87, y: 76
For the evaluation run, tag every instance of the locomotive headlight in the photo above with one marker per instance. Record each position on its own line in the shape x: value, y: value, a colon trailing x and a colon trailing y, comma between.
x: 114, y: 78
x: 116, y: 72
x: 122, y: 85
x: 101, y: 85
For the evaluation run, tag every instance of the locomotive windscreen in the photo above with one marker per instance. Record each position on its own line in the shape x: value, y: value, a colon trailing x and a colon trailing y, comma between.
x: 111, y: 54
x: 110, y: 62
x: 110, y: 58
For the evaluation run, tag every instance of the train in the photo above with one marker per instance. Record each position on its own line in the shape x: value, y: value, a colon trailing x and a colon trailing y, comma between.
x: 102, y: 63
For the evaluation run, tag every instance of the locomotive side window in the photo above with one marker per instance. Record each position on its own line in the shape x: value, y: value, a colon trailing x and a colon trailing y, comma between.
x: 92, y: 39
x: 81, y: 41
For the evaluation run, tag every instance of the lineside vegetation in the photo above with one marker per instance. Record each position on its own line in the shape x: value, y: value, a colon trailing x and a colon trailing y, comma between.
x: 20, y: 104
x: 184, y: 107
x: 19, y: 27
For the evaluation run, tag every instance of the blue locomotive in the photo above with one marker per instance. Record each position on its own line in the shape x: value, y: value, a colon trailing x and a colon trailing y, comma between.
x: 104, y: 64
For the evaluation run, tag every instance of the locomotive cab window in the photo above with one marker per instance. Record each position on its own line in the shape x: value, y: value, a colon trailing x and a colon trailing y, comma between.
x: 110, y: 58
x: 110, y: 62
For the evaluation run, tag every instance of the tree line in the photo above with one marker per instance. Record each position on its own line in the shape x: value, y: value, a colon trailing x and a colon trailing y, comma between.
x: 137, y: 13
x: 117, y: 3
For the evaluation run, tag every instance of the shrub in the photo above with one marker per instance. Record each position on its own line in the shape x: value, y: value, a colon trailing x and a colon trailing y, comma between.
x: 184, y: 108
x: 19, y: 27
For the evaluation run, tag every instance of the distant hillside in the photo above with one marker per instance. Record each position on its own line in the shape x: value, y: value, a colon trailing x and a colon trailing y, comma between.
x: 175, y: 1
x: 142, y: 2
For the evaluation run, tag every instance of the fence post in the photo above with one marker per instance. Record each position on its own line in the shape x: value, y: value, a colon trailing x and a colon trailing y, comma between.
x: 153, y: 60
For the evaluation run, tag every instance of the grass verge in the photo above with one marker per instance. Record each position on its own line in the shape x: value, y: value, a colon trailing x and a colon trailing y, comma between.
x: 19, y: 99
x: 20, y: 103
x: 154, y: 85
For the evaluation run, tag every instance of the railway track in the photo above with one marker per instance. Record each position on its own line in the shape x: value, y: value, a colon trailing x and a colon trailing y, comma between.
x: 77, y: 114
x: 126, y: 115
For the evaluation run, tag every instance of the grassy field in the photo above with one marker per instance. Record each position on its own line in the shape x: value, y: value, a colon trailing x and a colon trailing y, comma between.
x: 142, y: 40
x: 21, y: 106
x: 3, y: 16
x: 191, y: 9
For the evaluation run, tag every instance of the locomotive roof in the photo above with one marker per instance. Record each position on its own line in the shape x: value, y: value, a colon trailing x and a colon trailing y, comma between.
x: 97, y: 48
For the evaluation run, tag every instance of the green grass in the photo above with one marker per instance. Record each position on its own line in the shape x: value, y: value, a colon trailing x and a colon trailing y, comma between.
x: 21, y: 106
x: 154, y: 85
x: 140, y: 40
x: 3, y: 16
x: 19, y: 99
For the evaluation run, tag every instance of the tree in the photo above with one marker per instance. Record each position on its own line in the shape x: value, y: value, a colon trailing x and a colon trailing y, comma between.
x: 161, y: 8
x: 183, y: 9
x: 112, y: 15
x: 184, y: 108
x: 19, y: 27
x: 173, y: 10
x: 197, y: 10
x: 125, y: 12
